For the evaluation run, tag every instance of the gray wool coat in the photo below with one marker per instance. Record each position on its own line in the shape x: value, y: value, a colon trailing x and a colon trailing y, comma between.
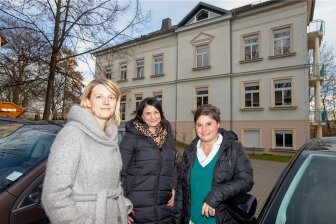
x: 82, y: 183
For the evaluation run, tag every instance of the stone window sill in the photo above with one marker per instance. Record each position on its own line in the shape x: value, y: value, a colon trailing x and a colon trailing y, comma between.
x: 201, y: 68
x: 282, y: 55
x: 250, y: 61
x: 284, y: 108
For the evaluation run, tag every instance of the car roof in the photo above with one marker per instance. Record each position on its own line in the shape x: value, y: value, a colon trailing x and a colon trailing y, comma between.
x: 321, y: 144
x: 33, y: 125
x: 5, y: 120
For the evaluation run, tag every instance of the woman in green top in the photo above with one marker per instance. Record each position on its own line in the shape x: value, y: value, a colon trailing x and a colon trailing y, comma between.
x: 214, y: 169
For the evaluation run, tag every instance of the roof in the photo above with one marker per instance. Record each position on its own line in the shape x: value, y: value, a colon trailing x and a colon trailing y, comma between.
x: 191, y: 14
x: 145, y: 37
x: 198, y: 7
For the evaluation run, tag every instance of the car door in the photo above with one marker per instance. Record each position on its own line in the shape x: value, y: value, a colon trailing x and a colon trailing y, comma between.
x: 27, y: 208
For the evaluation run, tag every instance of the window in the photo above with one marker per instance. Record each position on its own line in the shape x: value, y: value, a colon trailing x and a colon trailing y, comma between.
x: 202, y: 15
x: 202, y: 56
x: 283, y: 138
x: 158, y: 96
x: 311, y: 187
x: 281, y: 41
x: 252, y: 95
x: 123, y: 107
x: 251, y: 44
x: 138, y: 99
x: 140, y: 66
x: 201, y: 96
x: 158, y: 65
x: 252, y: 138
x: 283, y: 92
x: 123, y: 71
x: 108, y: 72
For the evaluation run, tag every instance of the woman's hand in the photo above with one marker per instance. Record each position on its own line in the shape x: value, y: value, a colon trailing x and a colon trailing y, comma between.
x: 207, y: 210
x: 130, y: 220
x: 171, y: 200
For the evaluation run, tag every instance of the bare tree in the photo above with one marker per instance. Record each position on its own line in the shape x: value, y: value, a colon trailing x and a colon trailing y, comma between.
x: 82, y: 26
x: 22, y: 66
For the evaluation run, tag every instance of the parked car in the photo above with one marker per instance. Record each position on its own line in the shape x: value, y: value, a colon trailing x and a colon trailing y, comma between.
x: 24, y: 149
x: 306, y: 190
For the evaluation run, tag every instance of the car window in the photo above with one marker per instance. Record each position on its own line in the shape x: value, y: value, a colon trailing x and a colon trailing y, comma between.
x: 20, y: 152
x: 8, y: 129
x: 310, y: 197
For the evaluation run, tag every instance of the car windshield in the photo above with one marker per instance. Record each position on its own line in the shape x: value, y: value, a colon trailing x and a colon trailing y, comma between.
x: 21, y: 149
x: 310, y: 197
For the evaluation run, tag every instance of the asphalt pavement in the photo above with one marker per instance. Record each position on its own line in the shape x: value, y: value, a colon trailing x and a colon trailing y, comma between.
x: 266, y: 173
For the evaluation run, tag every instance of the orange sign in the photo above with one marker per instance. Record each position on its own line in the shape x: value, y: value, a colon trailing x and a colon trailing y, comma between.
x: 9, y: 109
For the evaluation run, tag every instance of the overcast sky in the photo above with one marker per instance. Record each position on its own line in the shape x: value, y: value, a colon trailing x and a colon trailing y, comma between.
x: 177, y: 9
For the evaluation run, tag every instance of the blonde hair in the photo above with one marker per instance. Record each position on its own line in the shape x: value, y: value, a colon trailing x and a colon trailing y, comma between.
x: 112, y: 87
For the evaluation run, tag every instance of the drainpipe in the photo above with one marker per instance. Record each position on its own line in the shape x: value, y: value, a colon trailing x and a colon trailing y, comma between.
x: 231, y: 95
x: 176, y: 80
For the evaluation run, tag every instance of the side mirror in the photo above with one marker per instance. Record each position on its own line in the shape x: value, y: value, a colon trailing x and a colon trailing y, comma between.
x: 243, y: 208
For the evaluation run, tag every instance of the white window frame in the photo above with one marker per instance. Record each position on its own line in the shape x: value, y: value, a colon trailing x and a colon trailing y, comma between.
x: 138, y: 97
x: 201, y: 12
x: 158, y: 96
x: 244, y: 130
x: 283, y: 133
x: 158, y: 64
x: 251, y: 93
x: 108, y: 72
x: 140, y: 68
x: 253, y: 46
x: 123, y: 107
x: 204, y: 56
x: 201, y: 96
x: 281, y: 40
x: 282, y: 91
x: 123, y: 71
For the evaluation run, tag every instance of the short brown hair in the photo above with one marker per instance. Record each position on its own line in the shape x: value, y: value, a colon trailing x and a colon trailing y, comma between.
x: 207, y: 110
x: 112, y: 87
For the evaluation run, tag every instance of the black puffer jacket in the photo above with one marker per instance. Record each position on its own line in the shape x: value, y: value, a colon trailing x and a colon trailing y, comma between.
x: 232, y: 175
x: 148, y: 175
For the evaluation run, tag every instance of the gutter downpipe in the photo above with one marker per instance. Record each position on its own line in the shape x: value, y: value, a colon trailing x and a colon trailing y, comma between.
x: 231, y: 111
x: 176, y: 81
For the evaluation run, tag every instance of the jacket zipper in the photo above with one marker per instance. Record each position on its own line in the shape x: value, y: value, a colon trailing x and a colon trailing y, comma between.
x: 156, y: 188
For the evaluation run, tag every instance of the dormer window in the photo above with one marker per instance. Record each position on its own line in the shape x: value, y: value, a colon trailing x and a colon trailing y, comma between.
x: 202, y: 15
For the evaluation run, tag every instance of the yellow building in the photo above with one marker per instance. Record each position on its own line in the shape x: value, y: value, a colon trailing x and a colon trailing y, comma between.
x: 250, y: 61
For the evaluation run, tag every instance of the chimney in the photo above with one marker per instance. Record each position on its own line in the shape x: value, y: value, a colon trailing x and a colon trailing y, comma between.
x: 166, y: 24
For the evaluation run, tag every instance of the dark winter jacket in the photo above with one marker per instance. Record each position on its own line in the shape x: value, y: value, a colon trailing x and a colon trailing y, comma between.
x: 148, y: 175
x: 232, y: 175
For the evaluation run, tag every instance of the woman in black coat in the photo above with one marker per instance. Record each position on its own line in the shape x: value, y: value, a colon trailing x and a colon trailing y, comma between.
x: 214, y: 169
x: 148, y: 175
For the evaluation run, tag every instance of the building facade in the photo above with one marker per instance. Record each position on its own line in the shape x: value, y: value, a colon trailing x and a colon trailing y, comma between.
x: 251, y: 62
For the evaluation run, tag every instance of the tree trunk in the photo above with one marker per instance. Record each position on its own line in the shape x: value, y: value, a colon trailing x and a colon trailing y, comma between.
x: 53, y: 63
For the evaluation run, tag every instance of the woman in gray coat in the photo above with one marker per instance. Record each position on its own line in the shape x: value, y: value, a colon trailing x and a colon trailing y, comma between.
x: 82, y: 183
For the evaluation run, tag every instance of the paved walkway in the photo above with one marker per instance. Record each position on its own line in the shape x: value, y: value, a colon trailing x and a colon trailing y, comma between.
x: 266, y: 173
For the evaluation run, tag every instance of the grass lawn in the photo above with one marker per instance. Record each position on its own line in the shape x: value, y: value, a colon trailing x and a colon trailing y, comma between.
x: 276, y: 158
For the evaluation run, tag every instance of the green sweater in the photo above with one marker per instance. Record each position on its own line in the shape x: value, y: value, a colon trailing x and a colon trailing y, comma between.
x: 201, y: 182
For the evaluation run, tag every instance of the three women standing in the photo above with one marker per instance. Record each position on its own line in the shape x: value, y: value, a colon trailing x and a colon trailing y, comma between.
x: 82, y: 183
x: 214, y: 168
x: 148, y: 174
